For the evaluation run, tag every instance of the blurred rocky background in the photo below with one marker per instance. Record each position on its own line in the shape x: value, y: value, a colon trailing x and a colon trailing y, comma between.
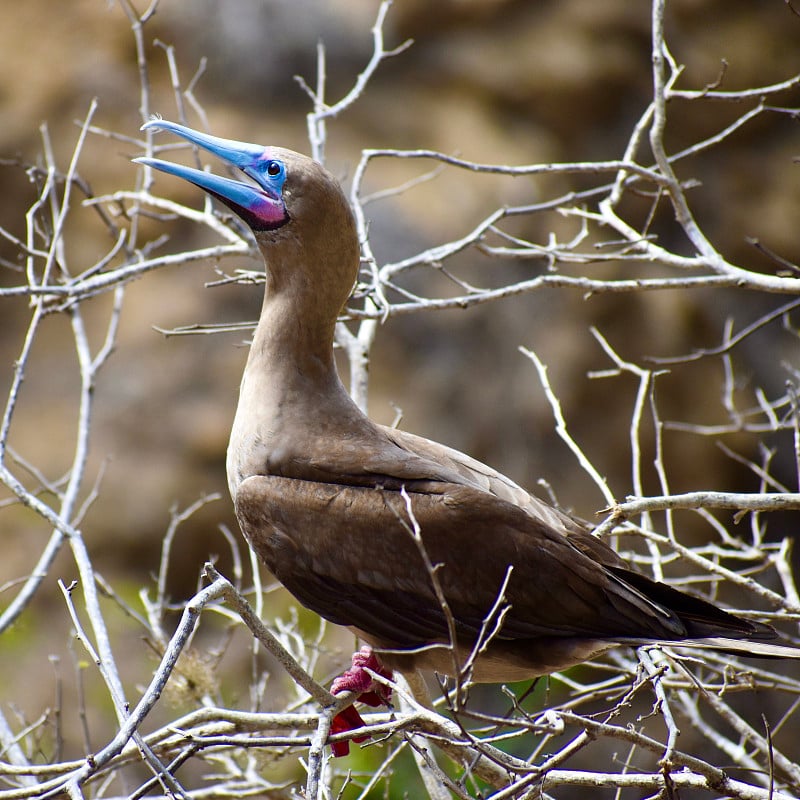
x: 502, y: 81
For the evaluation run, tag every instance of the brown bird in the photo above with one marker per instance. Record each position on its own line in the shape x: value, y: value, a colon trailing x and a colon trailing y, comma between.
x: 495, y: 579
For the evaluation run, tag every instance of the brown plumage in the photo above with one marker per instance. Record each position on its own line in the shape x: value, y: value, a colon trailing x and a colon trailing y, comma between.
x: 329, y: 499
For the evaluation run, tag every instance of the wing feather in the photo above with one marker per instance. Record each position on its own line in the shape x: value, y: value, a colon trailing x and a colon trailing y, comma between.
x: 347, y: 553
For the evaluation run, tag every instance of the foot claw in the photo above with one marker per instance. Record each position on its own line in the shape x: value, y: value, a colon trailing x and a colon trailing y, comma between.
x: 358, y: 679
x: 371, y: 692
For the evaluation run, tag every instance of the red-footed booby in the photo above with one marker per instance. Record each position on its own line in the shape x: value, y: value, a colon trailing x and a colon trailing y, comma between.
x: 330, y: 499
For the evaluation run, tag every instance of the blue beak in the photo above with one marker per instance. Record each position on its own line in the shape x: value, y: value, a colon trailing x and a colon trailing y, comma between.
x: 261, y: 205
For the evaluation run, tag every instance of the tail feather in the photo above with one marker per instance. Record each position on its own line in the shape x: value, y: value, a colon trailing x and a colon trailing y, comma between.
x: 701, y: 619
x: 751, y: 649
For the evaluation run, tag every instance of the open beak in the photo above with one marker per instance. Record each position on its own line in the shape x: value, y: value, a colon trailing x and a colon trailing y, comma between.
x: 259, y: 204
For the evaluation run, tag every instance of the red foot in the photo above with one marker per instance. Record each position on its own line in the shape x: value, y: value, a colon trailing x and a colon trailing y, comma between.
x: 370, y: 692
x: 347, y: 719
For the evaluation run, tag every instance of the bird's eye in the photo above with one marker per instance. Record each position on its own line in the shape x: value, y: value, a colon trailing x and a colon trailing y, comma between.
x: 274, y: 168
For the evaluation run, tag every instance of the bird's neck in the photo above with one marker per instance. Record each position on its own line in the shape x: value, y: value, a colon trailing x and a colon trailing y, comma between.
x: 291, y: 397
x: 292, y: 340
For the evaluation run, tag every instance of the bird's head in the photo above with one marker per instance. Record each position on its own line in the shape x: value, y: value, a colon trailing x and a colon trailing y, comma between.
x: 300, y: 217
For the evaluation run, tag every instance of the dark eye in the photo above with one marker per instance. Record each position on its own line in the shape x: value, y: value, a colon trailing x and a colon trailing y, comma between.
x: 274, y: 168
